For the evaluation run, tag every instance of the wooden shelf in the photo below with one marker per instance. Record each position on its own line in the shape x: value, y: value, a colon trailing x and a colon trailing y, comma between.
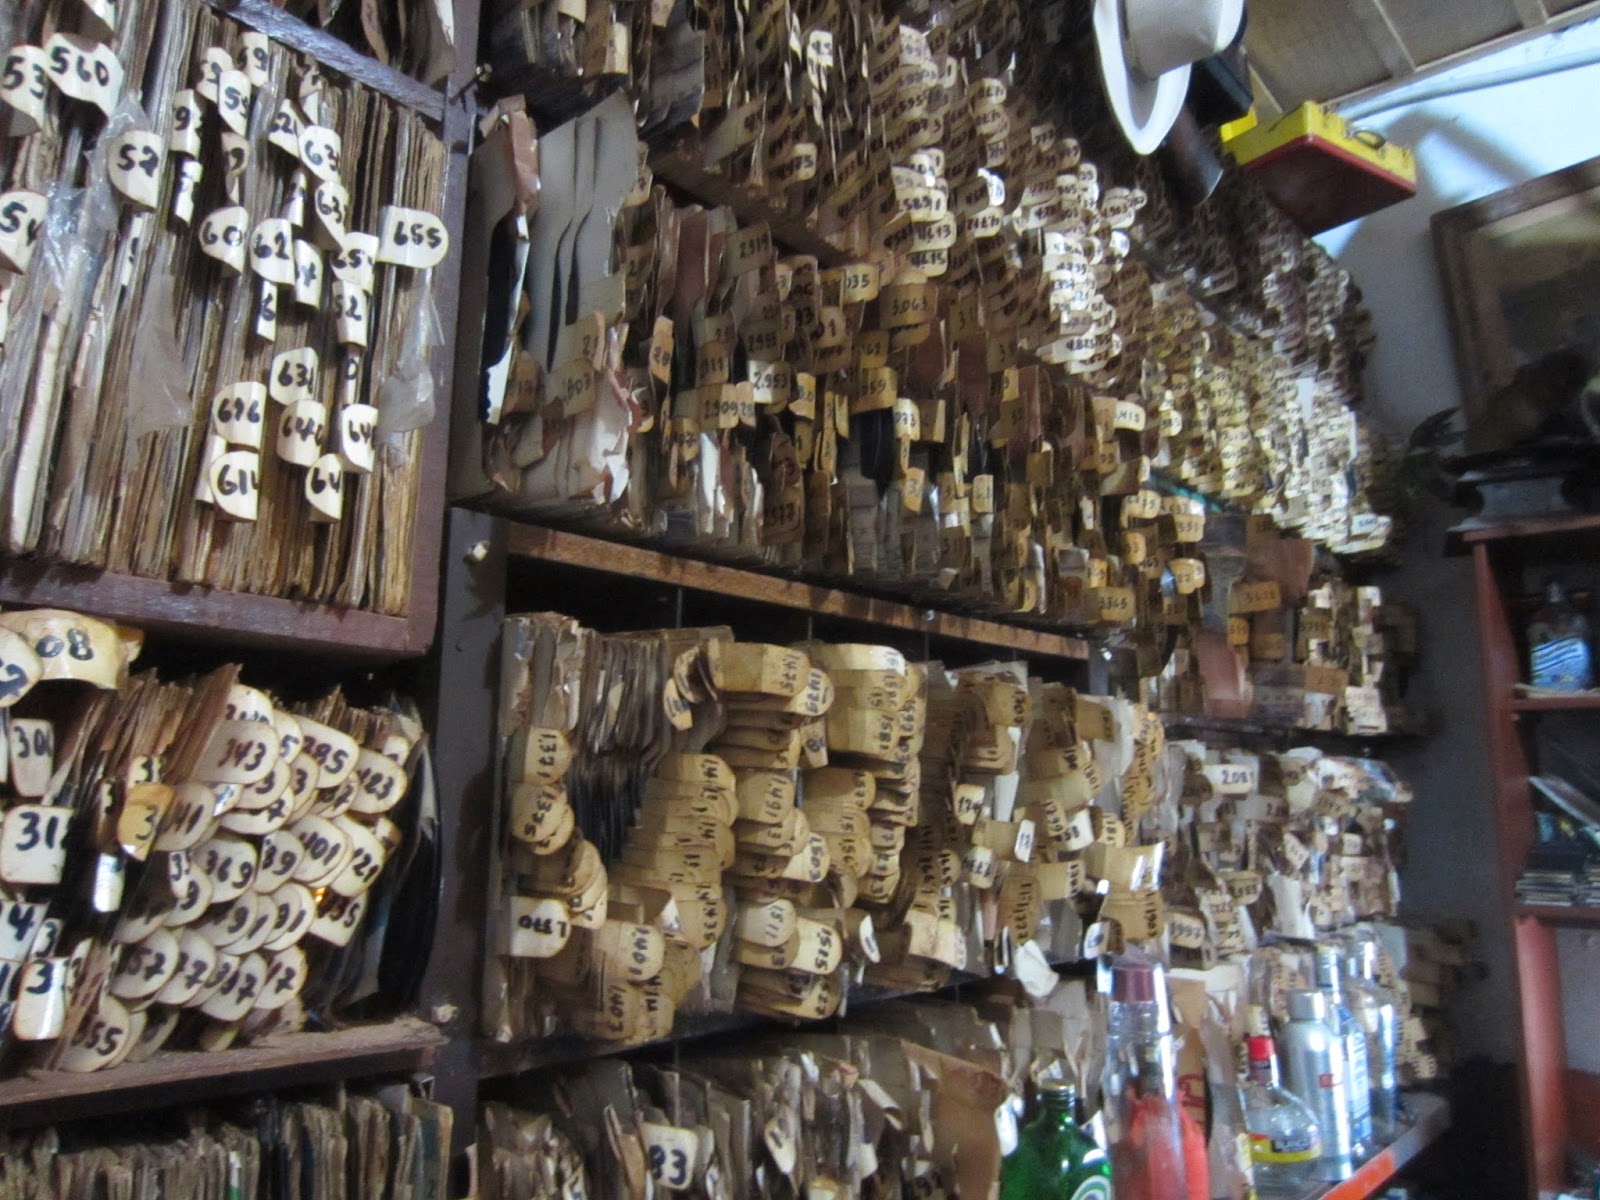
x: 679, y: 168
x: 1528, y: 527
x: 1432, y: 1119
x: 1559, y: 914
x: 618, y: 558
x: 205, y: 614
x: 337, y: 55
x: 1577, y: 702
x: 183, y: 1077
x: 1251, y: 727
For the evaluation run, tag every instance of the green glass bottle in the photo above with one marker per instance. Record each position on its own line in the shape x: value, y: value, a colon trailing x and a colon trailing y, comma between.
x: 1054, y: 1159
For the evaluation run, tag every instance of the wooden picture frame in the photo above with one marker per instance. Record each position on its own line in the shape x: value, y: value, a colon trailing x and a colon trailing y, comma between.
x: 1521, y: 276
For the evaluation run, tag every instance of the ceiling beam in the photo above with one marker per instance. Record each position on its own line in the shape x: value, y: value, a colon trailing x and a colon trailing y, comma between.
x: 1573, y: 16
x: 1532, y: 13
x: 1379, y: 27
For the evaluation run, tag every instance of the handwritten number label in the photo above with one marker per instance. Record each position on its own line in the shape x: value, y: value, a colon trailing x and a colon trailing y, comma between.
x: 272, y: 251
x: 324, y: 488
x: 670, y: 1153
x: 411, y: 237
x: 41, y: 1011
x: 307, y: 274
x: 285, y: 130
x: 222, y: 236
x: 85, y: 70
x: 237, y: 414
x: 24, y: 86
x: 21, y: 218
x: 352, y: 312
x: 339, y: 919
x: 354, y: 262
x: 334, y: 752
x: 230, y: 864
x: 255, y: 58
x: 294, y: 379
x: 134, y: 159
x: 233, y: 100
x: 332, y: 205
x: 190, y: 172
x: 319, y: 150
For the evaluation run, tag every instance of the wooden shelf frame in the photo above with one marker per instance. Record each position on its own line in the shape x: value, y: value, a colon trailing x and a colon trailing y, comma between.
x: 1560, y: 915
x: 1251, y: 727
x: 179, y: 1077
x: 340, y: 56
x: 1577, y: 702
x: 544, y: 544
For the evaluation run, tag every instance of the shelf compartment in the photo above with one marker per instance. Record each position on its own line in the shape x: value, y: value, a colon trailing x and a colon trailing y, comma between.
x: 620, y: 558
x: 1559, y: 914
x: 1577, y: 702
x: 201, y: 613
x: 1432, y: 1119
x: 178, y: 1077
x: 1526, y: 527
x: 339, y: 56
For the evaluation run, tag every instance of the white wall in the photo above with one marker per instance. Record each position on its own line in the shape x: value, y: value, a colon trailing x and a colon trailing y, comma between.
x: 1467, y: 146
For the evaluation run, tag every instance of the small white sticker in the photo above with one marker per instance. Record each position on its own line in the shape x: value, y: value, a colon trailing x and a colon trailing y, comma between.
x: 222, y: 236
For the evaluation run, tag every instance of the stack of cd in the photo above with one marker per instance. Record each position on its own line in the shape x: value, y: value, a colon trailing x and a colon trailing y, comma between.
x: 1537, y: 886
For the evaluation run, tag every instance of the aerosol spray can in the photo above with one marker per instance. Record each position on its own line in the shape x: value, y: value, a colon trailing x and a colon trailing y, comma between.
x: 1315, y: 1070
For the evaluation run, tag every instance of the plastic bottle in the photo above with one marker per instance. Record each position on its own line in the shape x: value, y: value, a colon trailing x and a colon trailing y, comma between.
x: 1157, y: 1150
x: 1314, y: 1069
x: 1284, y: 1142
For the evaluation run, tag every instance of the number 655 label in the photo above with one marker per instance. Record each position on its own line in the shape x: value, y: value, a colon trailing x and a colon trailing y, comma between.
x: 410, y: 237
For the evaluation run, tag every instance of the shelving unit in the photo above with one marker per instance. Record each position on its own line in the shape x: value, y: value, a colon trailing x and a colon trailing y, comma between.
x: 1551, y: 1113
x: 184, y: 1077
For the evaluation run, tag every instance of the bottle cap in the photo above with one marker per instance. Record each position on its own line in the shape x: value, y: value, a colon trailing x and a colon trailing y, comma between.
x: 1328, y: 971
x: 1308, y: 1006
x: 1141, y: 981
x: 1260, y: 1049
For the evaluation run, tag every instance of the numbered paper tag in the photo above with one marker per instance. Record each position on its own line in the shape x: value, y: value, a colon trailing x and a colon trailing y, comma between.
x: 380, y: 783
x: 32, y: 743
x: 539, y: 928
x: 21, y: 218
x: 335, y: 753
x: 352, y: 312
x: 411, y: 237
x: 71, y: 646
x: 23, y: 85
x: 255, y: 57
x: 134, y: 160
x: 235, y: 479
x: 229, y: 863
x: 272, y: 251
x: 19, y: 928
x: 240, y: 751
x: 670, y: 1154
x: 34, y: 844
x: 280, y: 855
x: 332, y: 205
x: 143, y: 810
x: 238, y: 412
x: 319, y: 150
x: 286, y: 976
x: 222, y: 236
x: 239, y: 992
x: 197, y: 958
x: 293, y: 908
x: 286, y: 128
x: 365, y: 861
x: 324, y: 850
x: 233, y: 100
x: 354, y: 263
x: 186, y: 123
x: 215, y: 62
x: 189, y: 818
x: 147, y: 967
x: 293, y: 380
x: 41, y: 1011
x: 190, y: 172
x: 358, y: 425
x: 338, y: 919
x: 308, y: 274
x: 324, y: 488
x: 85, y: 70
x: 20, y: 669
x: 235, y: 160
x: 780, y: 1136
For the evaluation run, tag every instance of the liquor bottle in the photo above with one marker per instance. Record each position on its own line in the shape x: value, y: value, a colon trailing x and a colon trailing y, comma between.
x: 1054, y: 1158
x: 1330, y: 982
x: 1376, y: 1013
x: 1314, y: 1068
x: 1157, y: 1150
x: 1284, y: 1142
x: 1558, y: 645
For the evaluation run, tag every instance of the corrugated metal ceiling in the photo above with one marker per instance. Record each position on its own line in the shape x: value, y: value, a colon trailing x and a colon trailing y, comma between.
x: 1341, y: 49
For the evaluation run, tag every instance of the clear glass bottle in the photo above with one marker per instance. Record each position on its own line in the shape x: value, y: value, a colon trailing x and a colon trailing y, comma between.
x: 1054, y: 1158
x: 1358, y: 1091
x: 1558, y: 645
x: 1375, y: 1011
x: 1157, y: 1151
x: 1284, y: 1142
